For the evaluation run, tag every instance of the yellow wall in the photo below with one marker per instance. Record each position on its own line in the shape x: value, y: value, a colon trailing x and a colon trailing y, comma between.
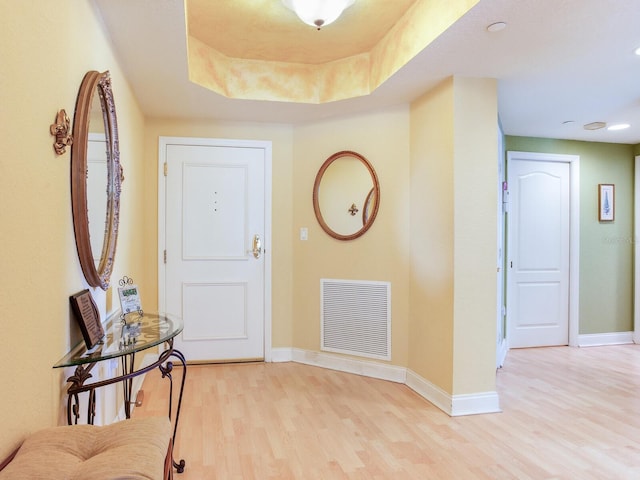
x: 298, y: 153
x: 382, y: 253
x: 453, y: 235
x: 47, y: 47
x: 475, y: 243
x: 432, y: 236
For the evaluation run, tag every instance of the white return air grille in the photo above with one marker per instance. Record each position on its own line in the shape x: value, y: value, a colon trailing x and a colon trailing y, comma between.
x: 355, y: 318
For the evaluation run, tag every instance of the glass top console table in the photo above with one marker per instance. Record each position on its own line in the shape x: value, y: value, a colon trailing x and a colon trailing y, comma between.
x: 122, y: 340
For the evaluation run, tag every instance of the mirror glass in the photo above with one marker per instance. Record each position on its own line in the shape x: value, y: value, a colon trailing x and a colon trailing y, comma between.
x: 346, y: 195
x: 96, y: 176
x: 97, y: 179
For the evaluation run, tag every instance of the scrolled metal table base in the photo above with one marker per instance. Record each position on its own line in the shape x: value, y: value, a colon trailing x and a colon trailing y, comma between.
x: 164, y: 364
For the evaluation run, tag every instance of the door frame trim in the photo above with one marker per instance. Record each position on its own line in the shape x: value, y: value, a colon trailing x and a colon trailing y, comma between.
x: 501, y: 338
x: 636, y: 253
x: 574, y: 232
x: 163, y: 142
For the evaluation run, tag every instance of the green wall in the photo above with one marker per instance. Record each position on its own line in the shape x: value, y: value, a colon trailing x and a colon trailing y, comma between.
x: 606, y: 249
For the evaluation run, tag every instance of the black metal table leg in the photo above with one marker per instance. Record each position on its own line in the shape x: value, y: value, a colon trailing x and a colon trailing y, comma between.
x: 166, y: 370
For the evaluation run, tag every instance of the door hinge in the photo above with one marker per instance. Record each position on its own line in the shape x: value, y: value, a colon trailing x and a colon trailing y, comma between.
x: 165, y: 256
x: 165, y: 169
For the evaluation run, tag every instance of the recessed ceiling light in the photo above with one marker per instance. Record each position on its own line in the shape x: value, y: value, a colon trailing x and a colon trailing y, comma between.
x: 619, y: 126
x: 638, y: 51
x: 595, y: 125
x: 496, y: 27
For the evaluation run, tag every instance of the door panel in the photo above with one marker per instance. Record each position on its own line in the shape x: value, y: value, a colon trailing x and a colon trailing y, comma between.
x: 214, y: 201
x: 230, y: 323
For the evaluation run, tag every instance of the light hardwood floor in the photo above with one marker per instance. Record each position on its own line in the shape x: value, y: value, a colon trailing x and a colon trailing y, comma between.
x: 568, y: 413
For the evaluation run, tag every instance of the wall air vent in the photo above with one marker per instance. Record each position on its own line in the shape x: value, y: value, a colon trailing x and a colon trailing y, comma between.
x: 356, y: 318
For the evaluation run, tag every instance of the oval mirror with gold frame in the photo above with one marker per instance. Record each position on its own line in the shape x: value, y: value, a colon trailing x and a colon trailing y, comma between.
x: 95, y: 201
x: 346, y: 195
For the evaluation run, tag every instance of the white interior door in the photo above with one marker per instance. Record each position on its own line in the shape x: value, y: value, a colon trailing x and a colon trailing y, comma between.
x: 539, y: 252
x: 215, y: 234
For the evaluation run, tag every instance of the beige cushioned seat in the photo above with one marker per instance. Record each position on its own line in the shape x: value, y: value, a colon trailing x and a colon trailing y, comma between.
x: 132, y: 449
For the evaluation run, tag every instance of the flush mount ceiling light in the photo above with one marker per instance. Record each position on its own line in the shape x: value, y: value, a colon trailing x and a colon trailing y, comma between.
x: 619, y: 126
x: 496, y: 27
x: 318, y: 13
x: 595, y: 125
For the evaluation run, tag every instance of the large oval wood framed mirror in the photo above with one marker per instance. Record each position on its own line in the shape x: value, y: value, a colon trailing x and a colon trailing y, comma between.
x: 346, y: 195
x: 96, y: 178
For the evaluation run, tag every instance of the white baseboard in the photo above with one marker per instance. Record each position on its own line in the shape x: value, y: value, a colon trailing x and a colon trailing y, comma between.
x: 475, y: 403
x: 429, y: 392
x: 453, y: 405
x: 281, y: 355
x: 350, y: 365
x: 601, y: 339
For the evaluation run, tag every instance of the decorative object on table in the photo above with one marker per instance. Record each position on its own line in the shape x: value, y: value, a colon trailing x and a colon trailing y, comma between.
x: 88, y: 317
x: 60, y: 129
x: 129, y: 297
x: 129, y: 334
x: 606, y: 202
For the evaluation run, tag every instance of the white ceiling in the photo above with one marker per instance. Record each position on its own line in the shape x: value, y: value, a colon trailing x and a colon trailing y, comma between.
x: 557, y: 61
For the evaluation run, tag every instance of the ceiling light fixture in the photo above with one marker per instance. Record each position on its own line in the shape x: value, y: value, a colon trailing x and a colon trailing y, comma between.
x: 595, y: 125
x: 318, y: 13
x: 496, y: 27
x: 618, y: 126
x: 638, y: 51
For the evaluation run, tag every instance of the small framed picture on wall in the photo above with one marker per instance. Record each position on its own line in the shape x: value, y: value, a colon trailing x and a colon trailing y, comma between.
x: 606, y: 202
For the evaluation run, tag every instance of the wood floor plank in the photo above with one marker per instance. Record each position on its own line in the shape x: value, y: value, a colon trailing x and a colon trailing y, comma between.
x: 568, y: 413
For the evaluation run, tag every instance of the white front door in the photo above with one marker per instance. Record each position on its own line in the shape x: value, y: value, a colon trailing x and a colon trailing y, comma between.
x: 215, y: 237
x: 539, y: 252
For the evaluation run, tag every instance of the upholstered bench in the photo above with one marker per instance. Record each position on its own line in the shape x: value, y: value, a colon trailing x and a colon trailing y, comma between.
x: 135, y: 449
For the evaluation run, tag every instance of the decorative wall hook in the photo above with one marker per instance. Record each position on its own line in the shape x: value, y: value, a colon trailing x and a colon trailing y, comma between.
x: 60, y: 129
x: 353, y: 210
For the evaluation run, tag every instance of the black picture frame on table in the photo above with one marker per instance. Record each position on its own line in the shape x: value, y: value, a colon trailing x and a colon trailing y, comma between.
x: 87, y: 315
